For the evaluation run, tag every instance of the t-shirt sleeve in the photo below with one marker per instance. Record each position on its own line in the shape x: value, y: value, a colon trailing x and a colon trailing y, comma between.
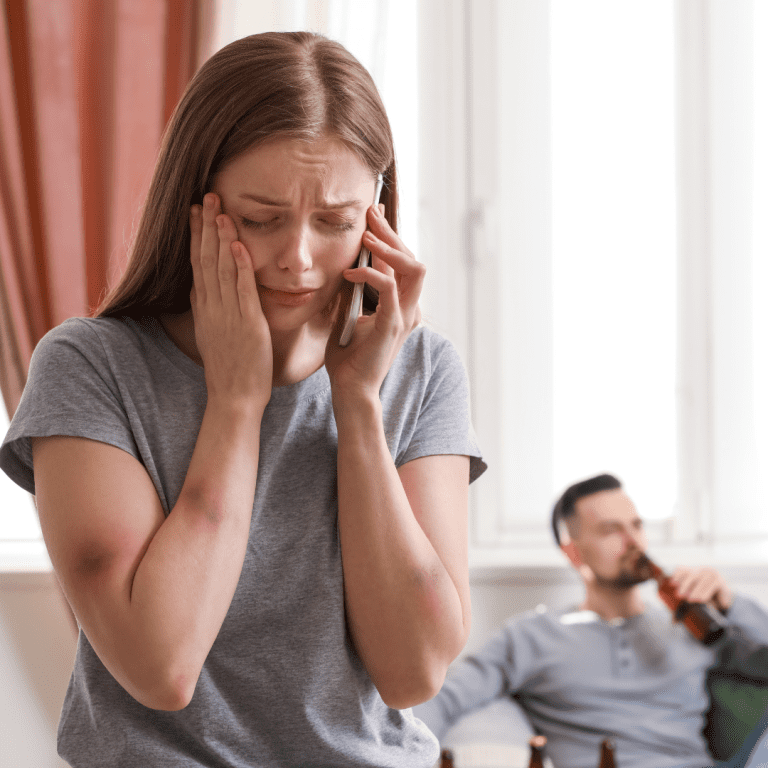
x: 750, y: 618
x: 444, y: 424
x: 71, y: 391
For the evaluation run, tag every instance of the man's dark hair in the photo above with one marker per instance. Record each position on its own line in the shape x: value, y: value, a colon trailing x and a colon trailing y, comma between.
x: 565, y: 507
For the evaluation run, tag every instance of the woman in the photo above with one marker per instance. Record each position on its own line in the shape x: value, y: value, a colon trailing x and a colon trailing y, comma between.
x: 262, y: 534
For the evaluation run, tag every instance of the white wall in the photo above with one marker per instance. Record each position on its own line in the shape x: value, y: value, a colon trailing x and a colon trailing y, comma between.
x: 37, y: 647
x: 37, y: 644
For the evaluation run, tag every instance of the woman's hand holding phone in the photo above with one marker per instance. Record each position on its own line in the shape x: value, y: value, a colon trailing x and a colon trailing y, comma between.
x: 360, y: 368
x: 355, y: 307
x: 231, y: 332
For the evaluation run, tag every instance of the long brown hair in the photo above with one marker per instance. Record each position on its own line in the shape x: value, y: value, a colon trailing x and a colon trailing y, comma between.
x: 296, y: 85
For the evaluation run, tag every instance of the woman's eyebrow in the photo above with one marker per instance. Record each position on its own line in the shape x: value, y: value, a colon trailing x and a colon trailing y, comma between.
x: 343, y: 204
x: 326, y: 206
x: 263, y: 200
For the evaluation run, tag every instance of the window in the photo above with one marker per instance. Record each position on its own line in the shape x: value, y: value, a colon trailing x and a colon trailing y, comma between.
x: 614, y: 273
x: 587, y: 185
x: 607, y: 274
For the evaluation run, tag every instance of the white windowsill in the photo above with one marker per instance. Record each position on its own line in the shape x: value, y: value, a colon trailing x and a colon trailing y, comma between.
x: 746, y: 557
x: 21, y: 559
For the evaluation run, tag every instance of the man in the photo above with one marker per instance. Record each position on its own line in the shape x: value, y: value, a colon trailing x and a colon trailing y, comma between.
x: 612, y: 666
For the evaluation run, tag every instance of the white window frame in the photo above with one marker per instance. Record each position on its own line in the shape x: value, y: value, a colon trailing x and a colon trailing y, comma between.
x: 718, y: 518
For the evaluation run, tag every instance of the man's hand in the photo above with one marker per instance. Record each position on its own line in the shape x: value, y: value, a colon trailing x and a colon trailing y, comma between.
x: 703, y: 585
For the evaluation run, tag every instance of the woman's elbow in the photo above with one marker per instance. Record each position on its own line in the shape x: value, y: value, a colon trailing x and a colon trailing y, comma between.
x: 168, y: 692
x: 421, y: 678
x: 170, y: 700
x: 413, y: 688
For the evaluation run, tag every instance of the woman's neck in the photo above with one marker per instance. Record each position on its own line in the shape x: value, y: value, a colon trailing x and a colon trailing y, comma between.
x: 296, y: 354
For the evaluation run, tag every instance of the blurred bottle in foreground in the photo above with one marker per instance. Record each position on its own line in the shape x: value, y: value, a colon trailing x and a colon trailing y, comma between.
x: 537, y: 744
x: 704, y: 622
x: 607, y: 754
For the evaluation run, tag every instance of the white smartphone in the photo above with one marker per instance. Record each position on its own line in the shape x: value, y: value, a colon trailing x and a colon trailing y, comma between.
x: 353, y: 312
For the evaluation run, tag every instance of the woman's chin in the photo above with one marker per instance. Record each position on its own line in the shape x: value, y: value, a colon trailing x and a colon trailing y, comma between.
x: 294, y: 320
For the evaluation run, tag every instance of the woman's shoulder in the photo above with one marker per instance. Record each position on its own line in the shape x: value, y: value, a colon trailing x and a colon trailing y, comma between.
x: 82, y: 344
x: 431, y: 348
x: 428, y: 365
x: 92, y: 334
x: 82, y: 331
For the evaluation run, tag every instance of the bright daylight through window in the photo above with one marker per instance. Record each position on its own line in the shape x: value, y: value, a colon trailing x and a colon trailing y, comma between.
x: 614, y: 246
x: 614, y: 289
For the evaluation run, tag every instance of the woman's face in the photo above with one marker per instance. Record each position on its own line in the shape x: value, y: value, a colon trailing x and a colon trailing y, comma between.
x: 300, y: 210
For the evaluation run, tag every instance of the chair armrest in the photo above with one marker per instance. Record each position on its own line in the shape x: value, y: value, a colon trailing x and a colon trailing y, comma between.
x: 495, y: 735
x: 503, y: 721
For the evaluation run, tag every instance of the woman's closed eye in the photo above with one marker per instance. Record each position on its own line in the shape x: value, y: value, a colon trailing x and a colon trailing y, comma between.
x: 335, y: 224
x: 266, y: 223
x: 340, y: 224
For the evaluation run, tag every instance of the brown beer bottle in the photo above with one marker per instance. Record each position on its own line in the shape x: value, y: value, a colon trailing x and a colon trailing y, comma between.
x: 537, y: 744
x: 704, y: 623
x: 607, y: 754
x: 446, y: 759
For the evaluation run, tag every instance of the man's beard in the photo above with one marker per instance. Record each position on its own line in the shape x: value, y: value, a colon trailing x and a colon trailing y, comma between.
x: 628, y: 577
x: 625, y: 580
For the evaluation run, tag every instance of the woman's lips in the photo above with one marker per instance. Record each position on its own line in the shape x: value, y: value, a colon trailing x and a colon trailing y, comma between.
x: 288, y: 298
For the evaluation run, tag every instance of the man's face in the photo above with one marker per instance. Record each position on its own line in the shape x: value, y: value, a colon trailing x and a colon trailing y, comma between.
x: 608, y: 537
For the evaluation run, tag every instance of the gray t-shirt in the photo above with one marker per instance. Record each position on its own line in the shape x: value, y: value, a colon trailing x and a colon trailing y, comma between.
x: 282, y: 684
x: 640, y: 681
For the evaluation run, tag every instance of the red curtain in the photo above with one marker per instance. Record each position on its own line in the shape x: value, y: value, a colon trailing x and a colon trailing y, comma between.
x: 86, y: 88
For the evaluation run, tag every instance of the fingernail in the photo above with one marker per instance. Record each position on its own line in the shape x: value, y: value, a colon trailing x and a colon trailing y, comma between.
x: 208, y: 201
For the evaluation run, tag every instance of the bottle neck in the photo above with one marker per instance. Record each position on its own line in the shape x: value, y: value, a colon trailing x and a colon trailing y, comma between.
x: 607, y: 759
x: 537, y: 744
x: 654, y: 570
x: 700, y: 620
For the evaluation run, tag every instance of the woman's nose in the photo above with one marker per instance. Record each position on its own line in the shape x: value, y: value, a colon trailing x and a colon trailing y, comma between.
x: 296, y: 253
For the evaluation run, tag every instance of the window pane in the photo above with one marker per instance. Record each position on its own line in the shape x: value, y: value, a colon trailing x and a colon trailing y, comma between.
x: 18, y: 518
x: 614, y: 249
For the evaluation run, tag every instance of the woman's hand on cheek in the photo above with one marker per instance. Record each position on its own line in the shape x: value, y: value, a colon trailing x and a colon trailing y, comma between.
x: 231, y: 332
x: 360, y: 368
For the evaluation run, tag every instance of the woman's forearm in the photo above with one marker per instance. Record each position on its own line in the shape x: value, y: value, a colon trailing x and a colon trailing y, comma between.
x: 184, y: 584
x: 404, y: 611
